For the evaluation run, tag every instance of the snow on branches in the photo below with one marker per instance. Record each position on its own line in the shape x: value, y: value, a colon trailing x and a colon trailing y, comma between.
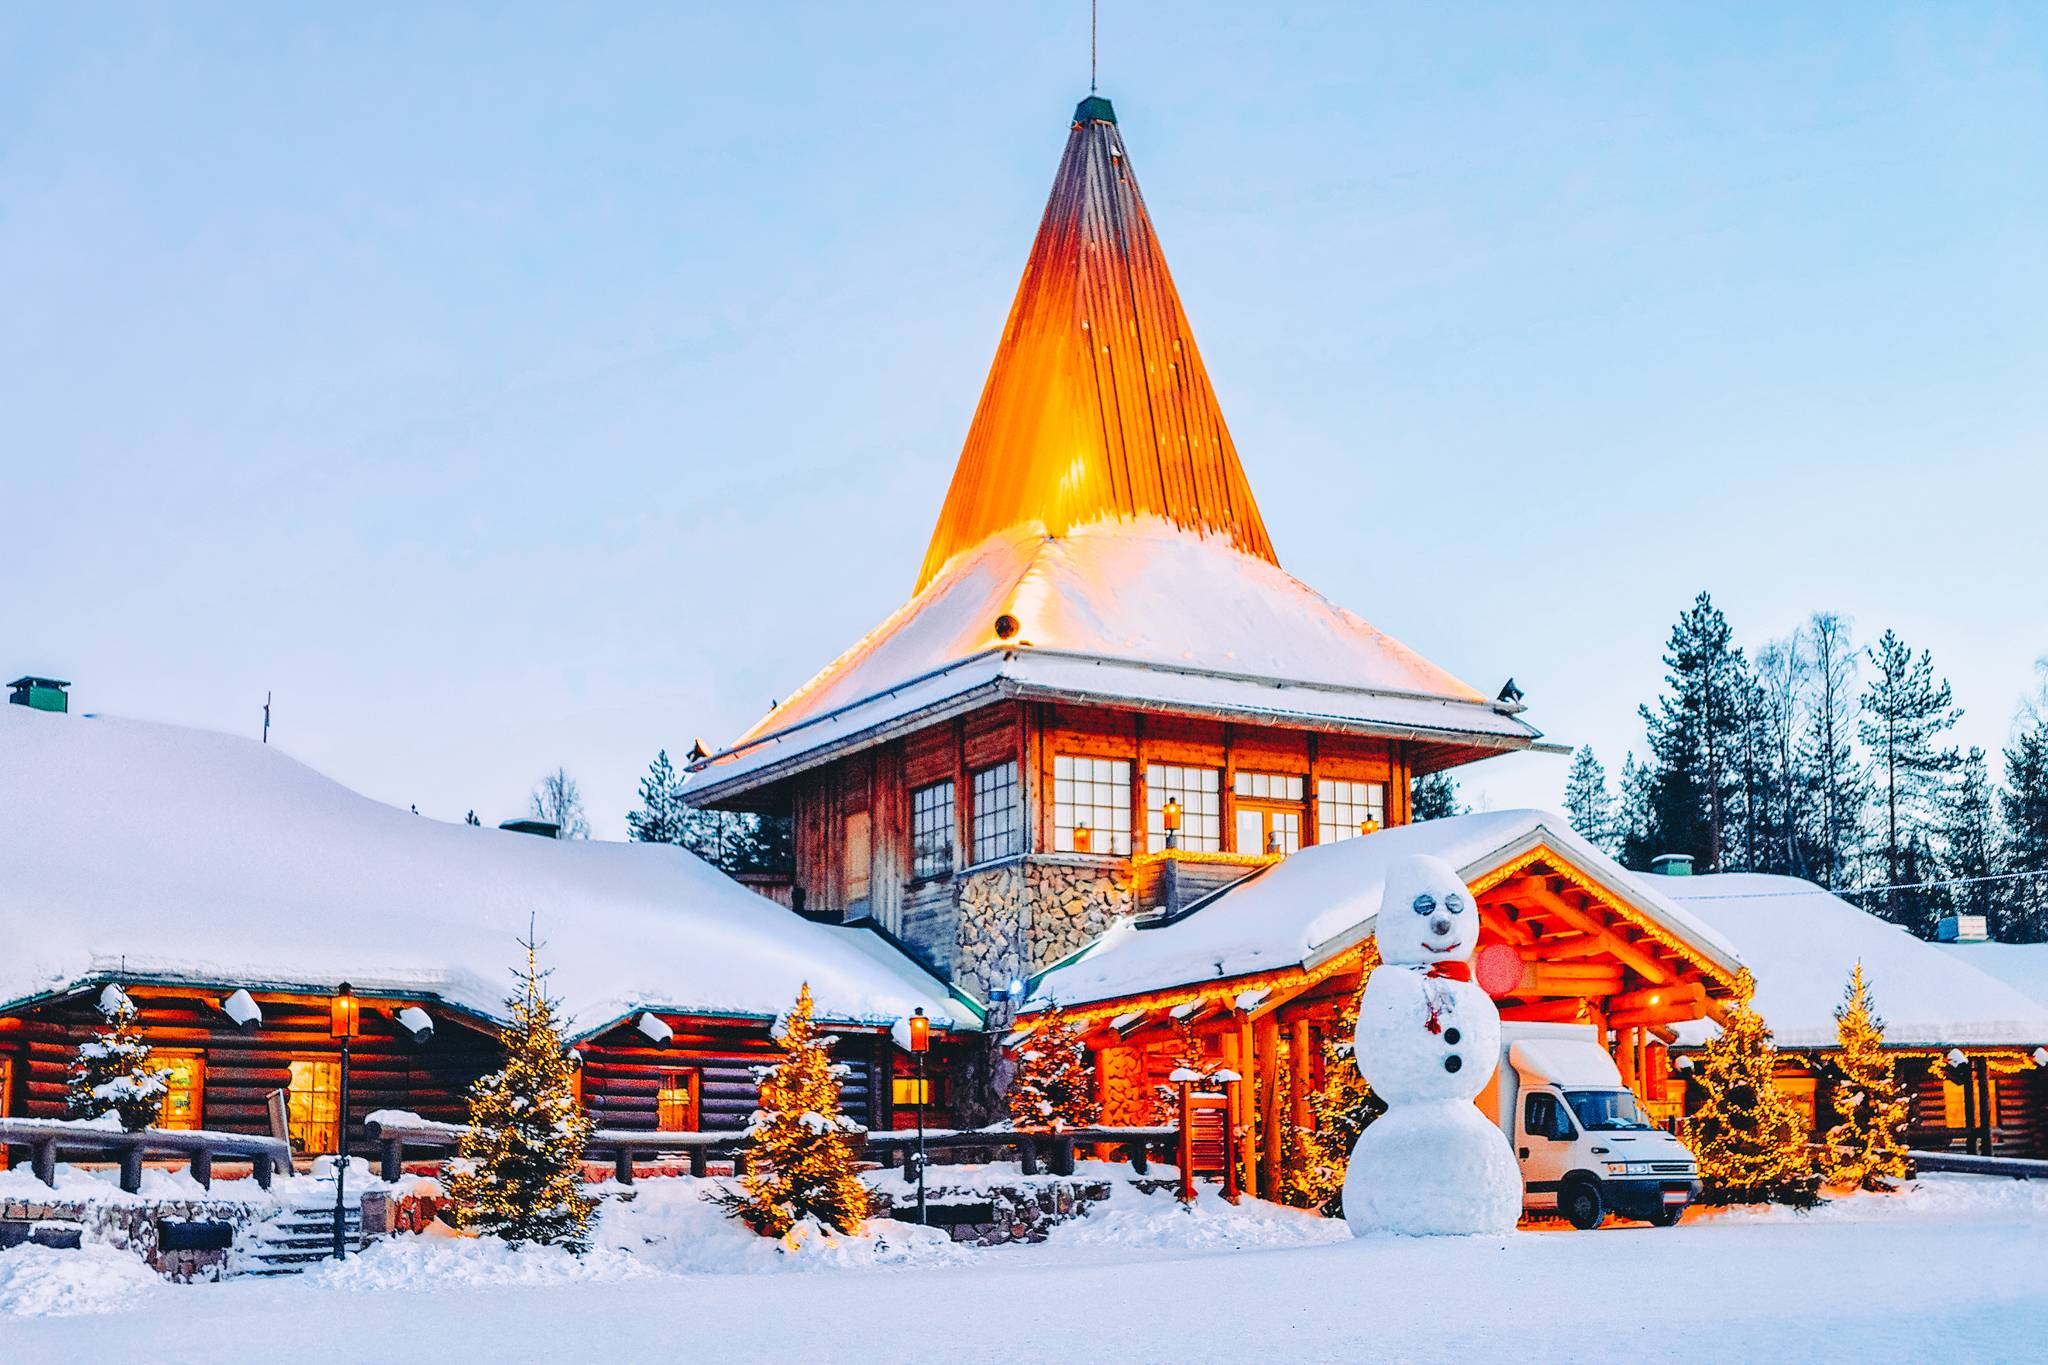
x: 111, y: 1073
x: 1054, y: 1089
x: 800, y: 1166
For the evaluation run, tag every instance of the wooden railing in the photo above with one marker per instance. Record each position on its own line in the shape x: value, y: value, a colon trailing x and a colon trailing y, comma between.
x: 395, y: 1134
x: 1962, y: 1163
x: 47, y: 1139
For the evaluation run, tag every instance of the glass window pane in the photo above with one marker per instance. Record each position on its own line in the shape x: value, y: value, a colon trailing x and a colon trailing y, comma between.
x: 1100, y: 804
x: 998, y: 821
x: 931, y: 830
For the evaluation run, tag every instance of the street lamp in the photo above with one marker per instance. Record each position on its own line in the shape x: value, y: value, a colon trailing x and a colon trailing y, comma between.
x: 344, y: 1021
x: 920, y: 1043
x: 1170, y: 818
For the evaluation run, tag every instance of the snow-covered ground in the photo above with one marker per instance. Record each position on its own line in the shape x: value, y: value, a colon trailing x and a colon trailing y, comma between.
x: 1955, y: 1269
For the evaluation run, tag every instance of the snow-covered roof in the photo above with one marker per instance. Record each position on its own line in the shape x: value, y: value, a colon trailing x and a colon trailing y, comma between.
x: 1137, y: 611
x: 154, y: 852
x: 1324, y: 899
x: 1800, y: 941
x: 2023, y: 966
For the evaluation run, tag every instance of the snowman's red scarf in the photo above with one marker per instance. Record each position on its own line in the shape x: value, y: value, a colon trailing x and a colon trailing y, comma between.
x: 1440, y: 1003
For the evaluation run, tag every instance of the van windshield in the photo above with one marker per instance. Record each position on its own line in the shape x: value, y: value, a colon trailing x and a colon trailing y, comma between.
x: 1606, y: 1110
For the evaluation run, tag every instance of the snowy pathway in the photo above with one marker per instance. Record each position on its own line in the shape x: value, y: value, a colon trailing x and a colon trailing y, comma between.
x: 1956, y: 1270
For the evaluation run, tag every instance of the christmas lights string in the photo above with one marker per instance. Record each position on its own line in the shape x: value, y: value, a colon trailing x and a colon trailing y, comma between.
x: 1876, y: 890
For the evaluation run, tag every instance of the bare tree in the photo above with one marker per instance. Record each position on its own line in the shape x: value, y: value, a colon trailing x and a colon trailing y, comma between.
x: 1784, y: 669
x: 557, y: 800
x: 1838, y: 789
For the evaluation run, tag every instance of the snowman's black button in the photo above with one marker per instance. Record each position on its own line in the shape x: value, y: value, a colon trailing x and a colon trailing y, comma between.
x: 1453, y: 1062
x: 1451, y: 1036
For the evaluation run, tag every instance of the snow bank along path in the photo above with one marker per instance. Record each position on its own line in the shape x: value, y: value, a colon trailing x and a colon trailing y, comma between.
x: 1950, y: 1270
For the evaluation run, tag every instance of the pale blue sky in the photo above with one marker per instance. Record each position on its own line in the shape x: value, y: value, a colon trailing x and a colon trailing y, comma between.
x: 511, y: 386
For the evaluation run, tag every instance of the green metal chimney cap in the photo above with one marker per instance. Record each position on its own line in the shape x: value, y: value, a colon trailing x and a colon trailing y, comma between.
x: 1094, y: 109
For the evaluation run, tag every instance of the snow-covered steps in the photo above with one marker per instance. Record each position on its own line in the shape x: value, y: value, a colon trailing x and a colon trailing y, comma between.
x: 293, y: 1238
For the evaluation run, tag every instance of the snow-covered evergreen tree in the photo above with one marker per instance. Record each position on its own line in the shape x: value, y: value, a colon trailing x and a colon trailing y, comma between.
x: 1434, y: 796
x: 111, y: 1074
x: 1906, y: 712
x: 1054, y: 1089
x: 1864, y: 1147
x: 1750, y: 1141
x: 519, y: 1172
x: 661, y: 817
x: 1970, y: 846
x: 2024, y: 804
x: 1694, y: 734
x: 800, y: 1167
x: 1635, y: 817
x: 1588, y: 803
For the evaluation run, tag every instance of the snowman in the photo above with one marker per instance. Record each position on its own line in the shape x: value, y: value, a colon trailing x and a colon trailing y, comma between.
x: 1427, y: 1042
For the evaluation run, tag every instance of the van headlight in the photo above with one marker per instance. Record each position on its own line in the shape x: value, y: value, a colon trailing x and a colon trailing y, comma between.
x: 1628, y: 1168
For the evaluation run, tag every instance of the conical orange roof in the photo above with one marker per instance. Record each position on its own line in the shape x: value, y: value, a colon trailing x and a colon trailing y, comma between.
x: 1097, y: 406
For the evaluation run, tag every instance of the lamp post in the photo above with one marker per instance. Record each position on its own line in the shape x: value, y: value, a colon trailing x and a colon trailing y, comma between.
x: 920, y: 1043
x: 1169, y: 816
x: 344, y: 1021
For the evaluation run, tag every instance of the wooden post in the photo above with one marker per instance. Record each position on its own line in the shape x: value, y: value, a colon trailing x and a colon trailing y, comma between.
x: 1062, y: 1156
x: 131, y: 1169
x: 1248, y: 1103
x: 262, y: 1164
x: 1299, y: 1048
x: 700, y: 1164
x: 1233, y: 1090
x: 1027, y: 1155
x: 43, y: 1160
x: 1625, y: 1055
x: 1271, y: 1122
x: 391, y: 1159
x: 622, y: 1165
x: 1187, y: 1142
x: 202, y: 1167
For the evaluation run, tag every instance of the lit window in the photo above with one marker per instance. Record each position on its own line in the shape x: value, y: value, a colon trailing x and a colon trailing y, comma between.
x: 184, y: 1088
x: 1200, y: 794
x: 315, y: 1105
x: 1269, y: 811
x: 931, y: 830
x: 909, y: 1090
x: 1343, y: 808
x: 675, y: 1104
x: 1091, y: 805
x: 996, y: 822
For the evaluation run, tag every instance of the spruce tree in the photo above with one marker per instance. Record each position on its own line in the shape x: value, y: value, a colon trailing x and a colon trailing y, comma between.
x: 519, y: 1171
x: 1588, y: 803
x: 1864, y: 1148
x: 1906, y: 711
x: 1054, y: 1089
x: 1635, y: 817
x: 111, y: 1073
x: 1748, y: 1137
x: 1693, y: 735
x: 661, y: 815
x: 800, y: 1166
x: 1971, y: 854
x: 1341, y: 1107
x: 1434, y: 796
x: 2024, y: 804
x: 1839, y: 790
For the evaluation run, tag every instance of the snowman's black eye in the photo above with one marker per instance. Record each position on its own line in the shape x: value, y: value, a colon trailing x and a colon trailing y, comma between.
x: 1455, y: 903
x: 1425, y: 904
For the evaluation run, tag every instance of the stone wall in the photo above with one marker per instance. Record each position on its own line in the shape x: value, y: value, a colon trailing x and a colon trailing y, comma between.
x: 1020, y: 917
x: 990, y: 1215
x: 129, y: 1225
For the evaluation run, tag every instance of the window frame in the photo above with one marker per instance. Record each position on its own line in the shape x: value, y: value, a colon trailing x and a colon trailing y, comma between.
x: 934, y: 830
x: 194, y: 1065
x: 1373, y: 804
x: 1159, y: 785
x: 993, y: 844
x: 1254, y: 792
x: 325, y: 1066
x: 1103, y: 775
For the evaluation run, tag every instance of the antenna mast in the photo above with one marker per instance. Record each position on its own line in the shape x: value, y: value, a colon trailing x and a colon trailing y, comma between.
x: 1091, y: 45
x: 266, y: 717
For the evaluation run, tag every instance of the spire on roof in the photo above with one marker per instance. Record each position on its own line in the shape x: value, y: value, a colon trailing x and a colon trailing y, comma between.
x: 1097, y: 405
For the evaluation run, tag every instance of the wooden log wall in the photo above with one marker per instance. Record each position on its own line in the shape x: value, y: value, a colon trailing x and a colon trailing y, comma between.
x: 386, y: 1069
x: 622, y: 1072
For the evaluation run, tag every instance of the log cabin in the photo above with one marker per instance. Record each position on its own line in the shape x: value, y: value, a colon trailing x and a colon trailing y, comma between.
x: 1104, y: 695
x: 231, y: 910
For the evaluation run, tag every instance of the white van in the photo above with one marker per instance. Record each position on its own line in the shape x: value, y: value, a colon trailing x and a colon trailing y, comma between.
x: 1585, y: 1145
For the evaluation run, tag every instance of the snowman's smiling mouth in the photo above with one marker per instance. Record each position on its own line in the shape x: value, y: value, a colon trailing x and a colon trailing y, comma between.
x: 1445, y: 947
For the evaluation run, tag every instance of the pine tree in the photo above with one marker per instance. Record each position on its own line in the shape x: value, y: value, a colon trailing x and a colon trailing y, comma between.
x: 111, y: 1073
x: 1434, y: 796
x: 1864, y: 1147
x: 1054, y: 1089
x: 1635, y: 817
x: 2024, y: 804
x: 1839, y: 792
x: 1749, y: 1139
x: 1971, y: 855
x: 800, y: 1166
x: 661, y: 815
x: 1341, y: 1107
x: 471, y: 820
x: 1694, y: 733
x: 1905, y: 712
x: 518, y: 1173
x: 1588, y: 803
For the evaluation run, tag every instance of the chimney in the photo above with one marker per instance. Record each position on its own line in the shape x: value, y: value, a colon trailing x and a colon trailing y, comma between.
x: 41, y: 694
x: 532, y: 824
x: 1671, y: 865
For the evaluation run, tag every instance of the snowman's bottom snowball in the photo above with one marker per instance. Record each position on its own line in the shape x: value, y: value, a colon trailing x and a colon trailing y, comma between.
x: 1432, y: 1169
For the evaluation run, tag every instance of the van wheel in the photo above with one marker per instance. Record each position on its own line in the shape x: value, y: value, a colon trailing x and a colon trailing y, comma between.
x: 1668, y: 1216
x: 1583, y: 1205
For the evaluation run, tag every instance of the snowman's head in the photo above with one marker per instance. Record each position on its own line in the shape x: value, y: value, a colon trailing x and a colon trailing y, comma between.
x: 1427, y: 913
